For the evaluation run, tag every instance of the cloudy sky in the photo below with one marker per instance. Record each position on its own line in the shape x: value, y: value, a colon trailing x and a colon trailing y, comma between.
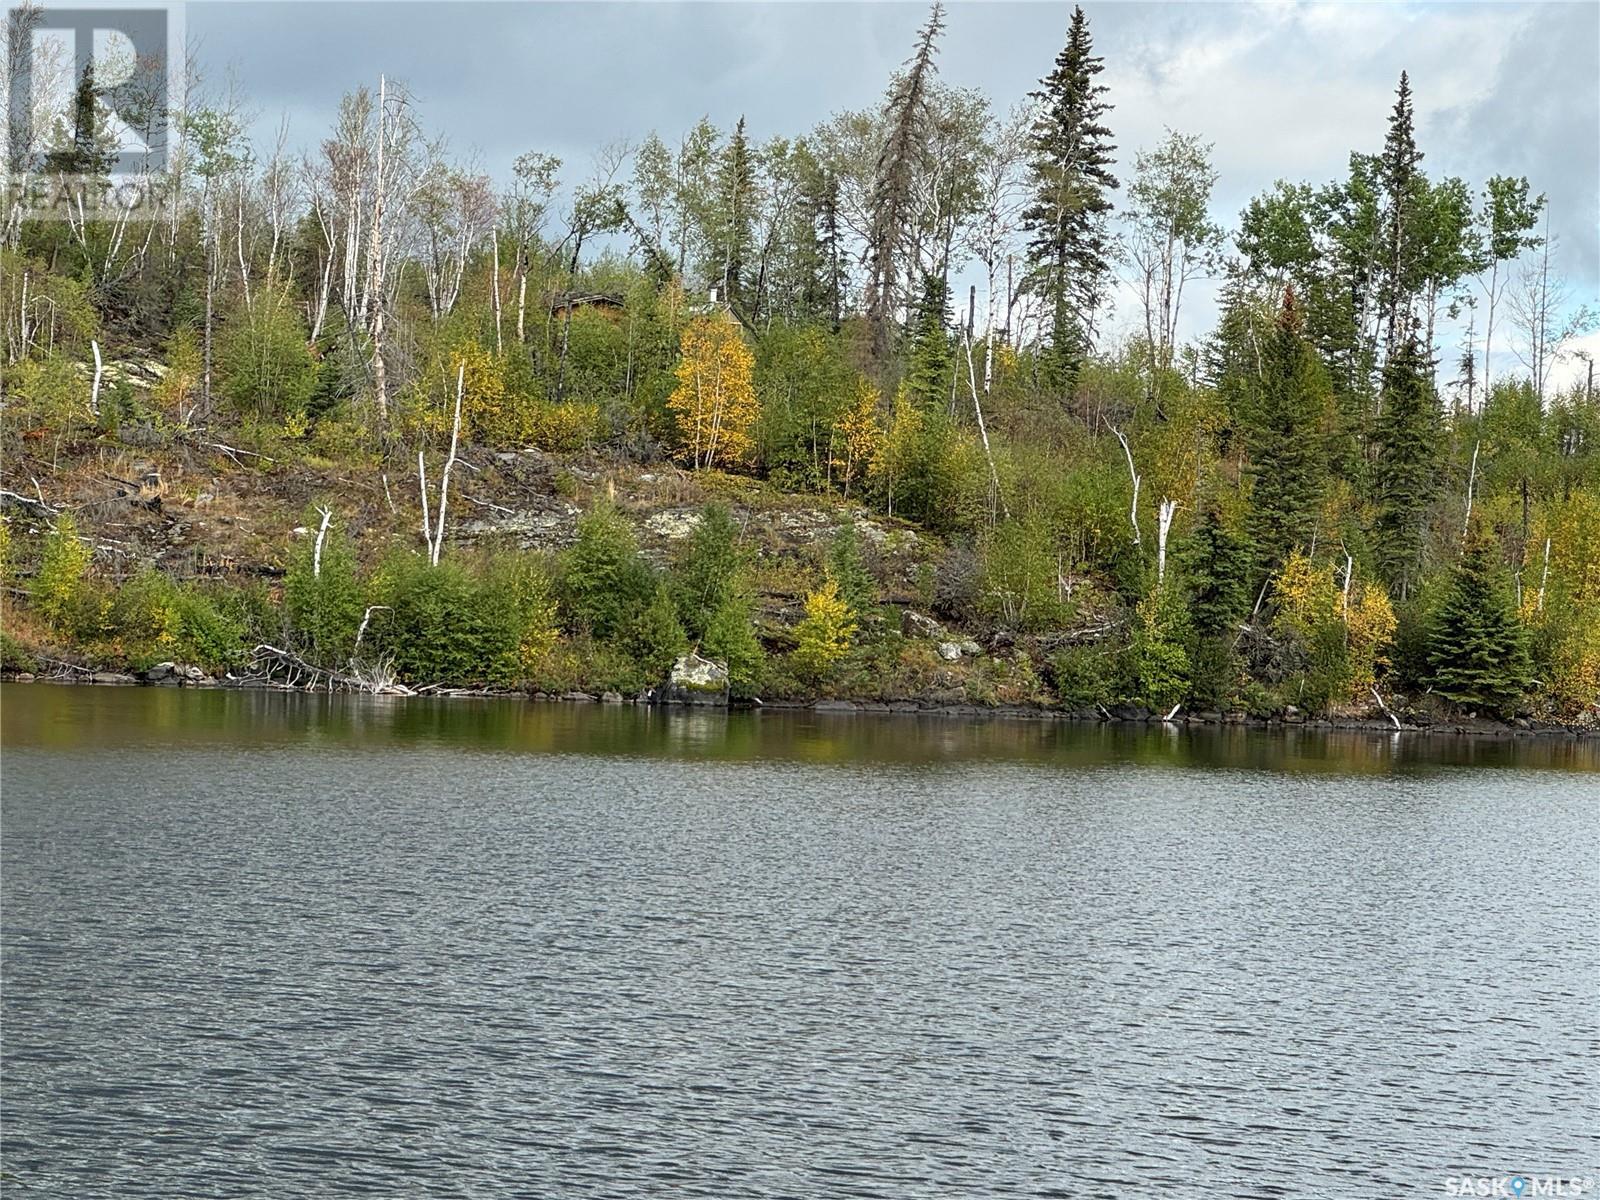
x: 1282, y: 90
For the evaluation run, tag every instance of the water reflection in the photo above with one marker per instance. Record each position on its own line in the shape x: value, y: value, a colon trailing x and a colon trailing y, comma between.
x: 49, y: 715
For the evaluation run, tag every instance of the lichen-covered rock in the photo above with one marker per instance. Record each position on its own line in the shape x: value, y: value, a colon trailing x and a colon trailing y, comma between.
x: 949, y: 651
x: 694, y: 680
x: 915, y: 625
x: 673, y: 524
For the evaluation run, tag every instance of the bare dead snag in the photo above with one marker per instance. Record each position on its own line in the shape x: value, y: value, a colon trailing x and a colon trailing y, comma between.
x: 422, y: 484
x: 983, y: 432
x: 1133, y: 510
x: 1472, y: 478
x: 322, y: 533
x: 365, y: 617
x: 444, y: 481
x: 1386, y: 712
x: 94, y: 388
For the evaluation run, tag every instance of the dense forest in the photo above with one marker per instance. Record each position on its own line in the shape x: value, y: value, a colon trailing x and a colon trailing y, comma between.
x: 898, y: 319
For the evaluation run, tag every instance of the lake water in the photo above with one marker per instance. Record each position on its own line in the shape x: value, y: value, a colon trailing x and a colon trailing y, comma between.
x: 267, y: 945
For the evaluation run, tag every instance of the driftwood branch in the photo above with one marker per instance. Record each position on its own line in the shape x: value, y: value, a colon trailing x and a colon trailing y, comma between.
x: 34, y: 508
x: 499, y: 508
x: 1386, y: 711
x: 274, y: 663
x: 365, y: 617
x: 233, y: 452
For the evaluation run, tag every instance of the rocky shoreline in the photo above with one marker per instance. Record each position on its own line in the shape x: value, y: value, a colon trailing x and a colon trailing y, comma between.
x: 1409, y: 724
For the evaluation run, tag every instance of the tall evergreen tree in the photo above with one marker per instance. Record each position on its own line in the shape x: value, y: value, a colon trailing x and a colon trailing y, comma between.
x: 1283, y: 426
x: 1477, y: 646
x: 736, y: 203
x: 894, y: 183
x: 88, y: 155
x: 817, y: 263
x: 1405, y: 192
x: 1407, y: 437
x: 1069, y: 245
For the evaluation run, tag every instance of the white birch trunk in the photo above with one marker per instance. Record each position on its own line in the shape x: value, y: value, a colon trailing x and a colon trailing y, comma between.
x: 1133, y: 509
x: 1472, y: 478
x: 444, y: 479
x: 1168, y: 510
x: 316, y: 551
x: 422, y: 485
x: 94, y: 388
x: 499, y: 347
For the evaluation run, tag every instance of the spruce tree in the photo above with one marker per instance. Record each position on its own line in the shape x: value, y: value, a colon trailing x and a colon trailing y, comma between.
x: 1216, y: 574
x: 818, y: 253
x: 846, y: 568
x: 1404, y: 190
x: 1283, y: 420
x: 1069, y: 244
x: 1407, y: 437
x: 894, y: 183
x: 87, y: 155
x: 1477, y: 646
x: 736, y: 202
x: 931, y: 359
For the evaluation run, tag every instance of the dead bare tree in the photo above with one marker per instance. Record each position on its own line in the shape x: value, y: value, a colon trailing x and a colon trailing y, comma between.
x: 444, y: 479
x: 1133, y: 509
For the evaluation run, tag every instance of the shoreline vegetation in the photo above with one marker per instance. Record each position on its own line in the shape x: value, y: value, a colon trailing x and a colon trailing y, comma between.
x: 717, y: 419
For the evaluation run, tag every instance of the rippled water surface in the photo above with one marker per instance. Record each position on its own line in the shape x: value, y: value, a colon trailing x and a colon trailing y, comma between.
x: 259, y: 945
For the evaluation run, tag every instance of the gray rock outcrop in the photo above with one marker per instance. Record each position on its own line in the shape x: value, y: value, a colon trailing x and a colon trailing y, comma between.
x: 695, y: 680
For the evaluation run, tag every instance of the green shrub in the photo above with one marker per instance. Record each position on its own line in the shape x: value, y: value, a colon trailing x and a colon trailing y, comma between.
x: 604, y: 581
x: 159, y: 619
x: 1084, y: 676
x: 62, y: 593
x: 730, y: 638
x: 14, y: 656
x: 519, y: 598
x: 1019, y: 572
x: 1158, y: 664
x: 435, y: 623
x: 709, y: 574
x: 324, y: 607
x: 263, y: 364
x: 654, y: 638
